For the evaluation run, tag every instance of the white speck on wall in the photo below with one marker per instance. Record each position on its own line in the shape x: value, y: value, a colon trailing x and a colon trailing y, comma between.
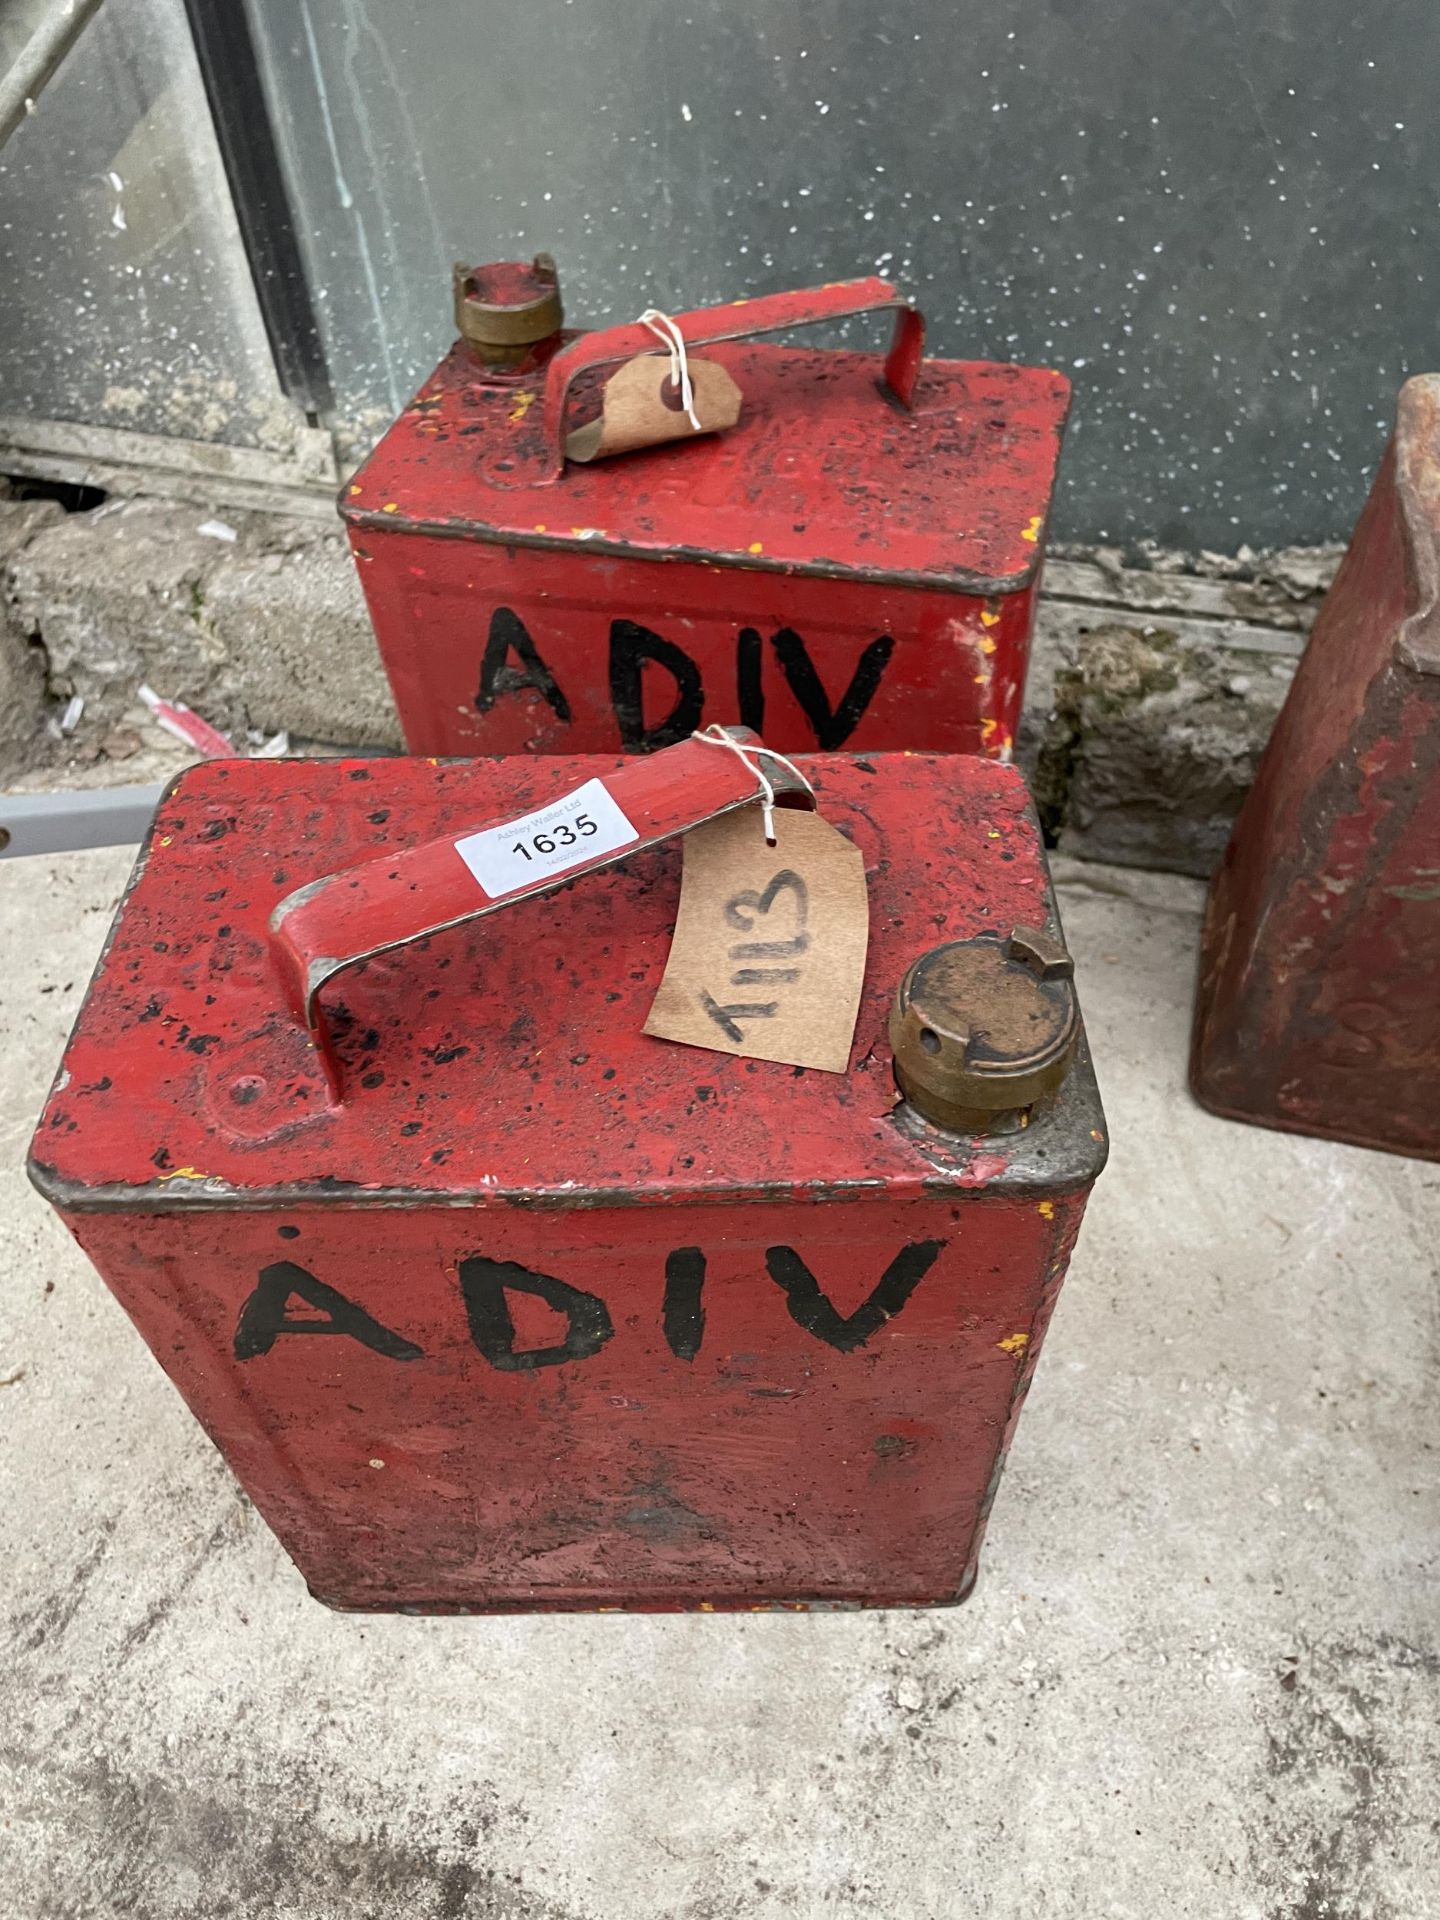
x: 685, y: 113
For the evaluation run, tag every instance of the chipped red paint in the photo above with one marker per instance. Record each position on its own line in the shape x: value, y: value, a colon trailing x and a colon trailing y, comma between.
x: 983, y: 1167
x: 835, y: 543
x: 726, y: 1411
x: 1318, y: 1005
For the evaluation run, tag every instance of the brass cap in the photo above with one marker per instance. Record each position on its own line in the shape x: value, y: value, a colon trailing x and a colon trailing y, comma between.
x: 984, y: 1029
x: 505, y: 308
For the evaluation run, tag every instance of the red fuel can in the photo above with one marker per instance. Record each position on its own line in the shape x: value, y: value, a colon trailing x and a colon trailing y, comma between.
x: 1318, y: 1006
x: 855, y: 564
x: 490, y: 1301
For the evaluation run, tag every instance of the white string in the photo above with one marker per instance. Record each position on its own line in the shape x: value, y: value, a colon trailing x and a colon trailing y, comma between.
x: 670, y: 336
x: 716, y: 736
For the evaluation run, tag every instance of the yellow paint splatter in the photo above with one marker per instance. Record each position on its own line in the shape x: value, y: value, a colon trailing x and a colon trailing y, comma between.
x: 989, y: 619
x: 1032, y: 532
x: 524, y: 400
x: 989, y: 645
x: 707, y: 1606
x: 183, y: 1173
x: 354, y: 491
x: 1016, y: 1343
x: 391, y: 506
x: 756, y: 546
x: 539, y: 526
x: 166, y: 838
x: 1046, y: 1209
x: 988, y: 730
x: 992, y: 833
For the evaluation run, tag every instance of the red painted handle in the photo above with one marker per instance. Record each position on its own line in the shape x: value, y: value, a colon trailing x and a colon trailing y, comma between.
x: 770, y: 313
x: 336, y: 922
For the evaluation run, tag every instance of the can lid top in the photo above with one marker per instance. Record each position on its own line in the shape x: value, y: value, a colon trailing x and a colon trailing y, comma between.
x: 824, y: 474
x: 502, y: 1063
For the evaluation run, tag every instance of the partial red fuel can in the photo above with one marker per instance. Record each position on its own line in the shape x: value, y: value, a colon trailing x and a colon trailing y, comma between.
x: 1318, y: 1001
x: 855, y: 564
x: 490, y: 1301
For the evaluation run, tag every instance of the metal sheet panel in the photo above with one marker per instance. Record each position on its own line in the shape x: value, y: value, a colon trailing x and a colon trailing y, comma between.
x: 1211, y: 218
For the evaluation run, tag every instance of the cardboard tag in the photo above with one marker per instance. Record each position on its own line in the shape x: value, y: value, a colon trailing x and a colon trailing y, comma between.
x: 640, y: 409
x: 769, y: 950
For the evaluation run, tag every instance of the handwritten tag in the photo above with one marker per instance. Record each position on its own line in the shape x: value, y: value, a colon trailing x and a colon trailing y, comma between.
x: 769, y: 950
x: 641, y: 408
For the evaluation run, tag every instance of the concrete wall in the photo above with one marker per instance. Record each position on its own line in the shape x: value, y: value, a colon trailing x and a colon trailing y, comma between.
x: 1151, y: 690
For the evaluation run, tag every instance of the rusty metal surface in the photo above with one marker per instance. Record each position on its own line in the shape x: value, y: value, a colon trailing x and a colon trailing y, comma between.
x: 611, y: 1321
x: 839, y: 569
x: 505, y: 310
x: 1318, y: 1009
x: 984, y: 1029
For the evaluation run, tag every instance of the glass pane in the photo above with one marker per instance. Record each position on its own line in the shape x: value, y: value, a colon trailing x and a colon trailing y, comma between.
x: 128, y: 300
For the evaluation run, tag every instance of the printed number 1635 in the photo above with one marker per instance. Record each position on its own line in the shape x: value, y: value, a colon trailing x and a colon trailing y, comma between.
x: 563, y: 835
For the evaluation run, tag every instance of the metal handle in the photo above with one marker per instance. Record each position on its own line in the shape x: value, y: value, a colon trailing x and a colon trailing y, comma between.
x: 770, y: 313
x: 336, y: 922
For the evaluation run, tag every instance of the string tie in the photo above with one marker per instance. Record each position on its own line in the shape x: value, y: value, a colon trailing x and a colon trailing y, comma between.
x: 716, y: 736
x: 671, y: 338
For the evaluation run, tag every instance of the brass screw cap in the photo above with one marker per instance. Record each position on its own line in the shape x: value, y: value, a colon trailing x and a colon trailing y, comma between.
x: 984, y: 1029
x: 504, y: 309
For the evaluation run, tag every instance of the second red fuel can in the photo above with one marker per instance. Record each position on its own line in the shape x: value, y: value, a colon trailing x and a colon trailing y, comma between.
x: 855, y: 564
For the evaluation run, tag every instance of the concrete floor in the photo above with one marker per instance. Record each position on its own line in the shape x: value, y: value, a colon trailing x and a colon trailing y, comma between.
x: 1198, y: 1677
